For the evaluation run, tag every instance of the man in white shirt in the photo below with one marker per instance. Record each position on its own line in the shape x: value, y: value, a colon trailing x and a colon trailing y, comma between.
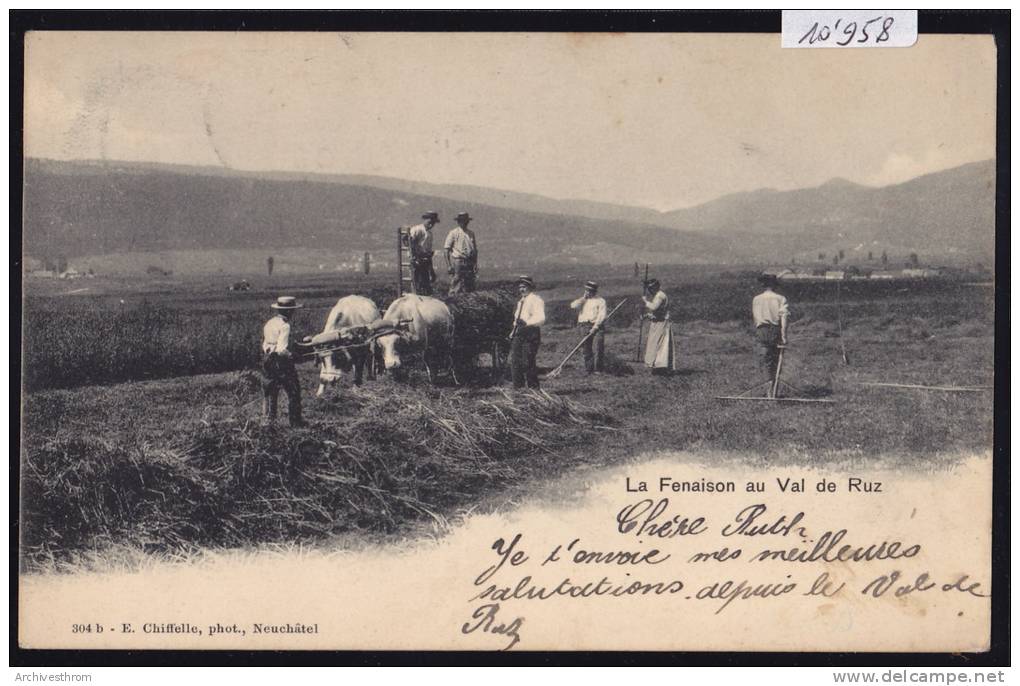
x: 462, y: 256
x: 419, y: 240
x: 770, y: 312
x: 589, y: 320
x: 529, y: 316
x: 278, y: 370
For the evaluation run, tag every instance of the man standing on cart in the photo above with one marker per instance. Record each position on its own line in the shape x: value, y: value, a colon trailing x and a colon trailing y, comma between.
x: 419, y: 240
x: 462, y: 256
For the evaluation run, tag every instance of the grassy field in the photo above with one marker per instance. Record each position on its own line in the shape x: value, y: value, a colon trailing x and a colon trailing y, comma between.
x: 165, y: 465
x: 126, y: 330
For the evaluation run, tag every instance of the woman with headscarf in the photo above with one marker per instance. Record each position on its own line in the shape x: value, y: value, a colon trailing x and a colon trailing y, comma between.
x: 659, y: 349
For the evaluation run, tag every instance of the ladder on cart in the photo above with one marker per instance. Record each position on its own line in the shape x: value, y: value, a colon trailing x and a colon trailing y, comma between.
x: 405, y: 272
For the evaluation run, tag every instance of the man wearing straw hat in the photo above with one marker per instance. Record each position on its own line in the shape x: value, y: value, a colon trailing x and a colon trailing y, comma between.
x: 419, y: 238
x: 529, y: 316
x: 589, y: 320
x: 770, y: 313
x: 278, y: 364
x: 659, y: 348
x: 462, y: 256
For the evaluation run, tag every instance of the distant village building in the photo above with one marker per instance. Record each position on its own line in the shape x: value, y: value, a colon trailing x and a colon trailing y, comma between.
x: 39, y: 269
x: 920, y: 273
x: 853, y: 272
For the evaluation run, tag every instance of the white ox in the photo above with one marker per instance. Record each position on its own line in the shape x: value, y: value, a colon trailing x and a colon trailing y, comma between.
x: 419, y: 325
x: 345, y: 326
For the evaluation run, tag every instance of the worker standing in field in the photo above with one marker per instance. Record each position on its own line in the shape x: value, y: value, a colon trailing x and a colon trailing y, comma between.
x: 770, y: 313
x: 589, y: 320
x: 462, y: 256
x: 419, y: 239
x: 278, y: 370
x: 526, y: 337
x: 659, y: 348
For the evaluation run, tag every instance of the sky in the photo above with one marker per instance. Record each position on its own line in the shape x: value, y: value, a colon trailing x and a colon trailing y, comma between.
x: 661, y: 121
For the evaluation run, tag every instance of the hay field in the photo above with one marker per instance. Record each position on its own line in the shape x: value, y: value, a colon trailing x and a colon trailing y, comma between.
x: 168, y: 466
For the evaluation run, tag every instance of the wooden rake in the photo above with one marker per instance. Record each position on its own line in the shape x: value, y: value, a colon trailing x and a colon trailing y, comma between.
x: 772, y: 388
x: 559, y: 369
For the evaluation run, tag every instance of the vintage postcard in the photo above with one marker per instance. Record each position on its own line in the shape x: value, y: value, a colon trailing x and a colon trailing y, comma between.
x: 507, y: 342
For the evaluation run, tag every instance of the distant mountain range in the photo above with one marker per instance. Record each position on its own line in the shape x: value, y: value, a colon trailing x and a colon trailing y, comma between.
x: 97, y: 208
x: 947, y: 212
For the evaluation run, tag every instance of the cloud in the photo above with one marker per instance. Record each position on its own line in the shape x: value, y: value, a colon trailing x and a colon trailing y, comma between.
x: 49, y: 114
x: 900, y: 167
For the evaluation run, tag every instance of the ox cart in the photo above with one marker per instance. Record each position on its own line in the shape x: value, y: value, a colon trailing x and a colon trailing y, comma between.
x: 481, y: 321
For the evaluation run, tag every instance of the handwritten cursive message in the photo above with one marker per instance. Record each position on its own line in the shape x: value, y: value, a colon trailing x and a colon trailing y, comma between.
x: 753, y: 555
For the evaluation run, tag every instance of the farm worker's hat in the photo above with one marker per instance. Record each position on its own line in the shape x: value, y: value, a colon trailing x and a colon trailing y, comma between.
x: 525, y: 280
x: 286, y: 302
x: 591, y: 286
x: 431, y: 214
x: 463, y: 217
x: 767, y: 279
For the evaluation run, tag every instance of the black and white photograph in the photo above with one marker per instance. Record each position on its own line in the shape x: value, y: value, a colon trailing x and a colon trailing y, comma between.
x: 509, y: 340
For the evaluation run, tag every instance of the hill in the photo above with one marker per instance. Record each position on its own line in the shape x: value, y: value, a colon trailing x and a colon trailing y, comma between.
x: 100, y: 208
x: 947, y: 212
x: 112, y: 208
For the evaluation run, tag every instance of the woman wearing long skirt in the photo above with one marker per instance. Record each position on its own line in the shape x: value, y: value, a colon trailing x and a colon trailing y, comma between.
x: 659, y: 349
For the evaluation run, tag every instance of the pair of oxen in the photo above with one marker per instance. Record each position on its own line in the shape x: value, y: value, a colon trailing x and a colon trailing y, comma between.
x: 355, y: 332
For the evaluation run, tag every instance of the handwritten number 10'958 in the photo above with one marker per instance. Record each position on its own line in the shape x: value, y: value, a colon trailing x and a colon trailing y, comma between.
x: 821, y: 33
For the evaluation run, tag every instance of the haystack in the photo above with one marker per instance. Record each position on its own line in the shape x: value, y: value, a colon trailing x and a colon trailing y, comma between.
x: 482, y: 317
x: 402, y: 457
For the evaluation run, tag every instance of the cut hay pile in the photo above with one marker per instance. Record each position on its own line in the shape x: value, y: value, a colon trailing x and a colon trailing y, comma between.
x: 482, y: 317
x: 396, y: 459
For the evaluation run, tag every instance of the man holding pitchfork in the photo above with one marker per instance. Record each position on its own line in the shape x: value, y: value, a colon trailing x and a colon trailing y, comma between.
x: 526, y: 336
